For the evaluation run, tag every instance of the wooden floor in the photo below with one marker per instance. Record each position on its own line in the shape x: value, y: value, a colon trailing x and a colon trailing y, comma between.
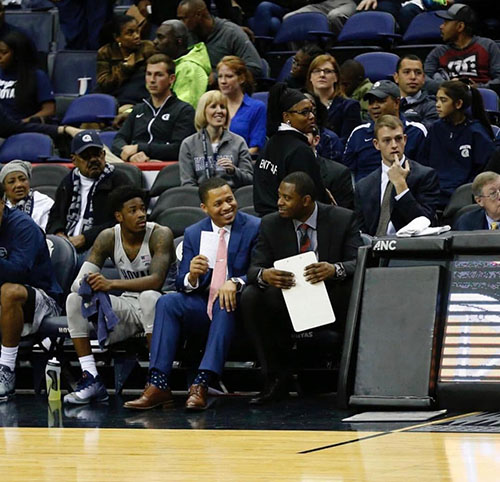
x: 77, y: 454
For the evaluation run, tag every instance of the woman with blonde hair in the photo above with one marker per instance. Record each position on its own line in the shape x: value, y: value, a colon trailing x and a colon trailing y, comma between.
x: 213, y: 150
x: 247, y: 116
x: 323, y: 79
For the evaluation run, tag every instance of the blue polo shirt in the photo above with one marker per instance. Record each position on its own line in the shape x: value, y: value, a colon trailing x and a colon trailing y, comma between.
x: 250, y: 122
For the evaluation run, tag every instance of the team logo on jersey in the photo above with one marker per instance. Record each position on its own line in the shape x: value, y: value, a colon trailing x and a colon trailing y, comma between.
x: 165, y: 117
x: 146, y: 259
x: 3, y: 253
x: 465, y: 150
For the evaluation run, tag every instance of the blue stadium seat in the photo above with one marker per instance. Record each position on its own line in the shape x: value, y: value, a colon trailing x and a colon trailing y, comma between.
x: 302, y: 27
x: 74, y: 72
x: 39, y: 26
x: 490, y: 100
x: 424, y: 28
x: 378, y: 65
x: 369, y: 27
x: 91, y: 108
x: 32, y: 147
x: 107, y: 137
x: 285, y: 70
x: 262, y: 96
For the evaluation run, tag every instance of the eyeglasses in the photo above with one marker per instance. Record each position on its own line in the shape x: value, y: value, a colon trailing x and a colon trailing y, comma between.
x: 493, y: 195
x: 304, y: 112
x: 324, y: 71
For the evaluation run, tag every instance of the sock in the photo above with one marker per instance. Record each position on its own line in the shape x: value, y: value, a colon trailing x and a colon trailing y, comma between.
x: 87, y: 362
x: 8, y: 356
x: 203, y: 378
x: 158, y: 379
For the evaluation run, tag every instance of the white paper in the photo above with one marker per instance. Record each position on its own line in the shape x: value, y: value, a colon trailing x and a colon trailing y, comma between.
x: 308, y: 304
x: 209, y: 243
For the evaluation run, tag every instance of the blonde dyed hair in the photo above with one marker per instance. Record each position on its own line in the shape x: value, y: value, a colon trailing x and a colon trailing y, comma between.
x: 210, y: 97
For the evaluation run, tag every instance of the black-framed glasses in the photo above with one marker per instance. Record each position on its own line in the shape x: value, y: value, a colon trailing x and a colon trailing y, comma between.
x: 304, y: 112
x: 493, y: 195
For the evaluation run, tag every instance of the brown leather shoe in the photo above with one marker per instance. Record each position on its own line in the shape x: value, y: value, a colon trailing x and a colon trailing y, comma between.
x: 197, y: 398
x: 152, y: 397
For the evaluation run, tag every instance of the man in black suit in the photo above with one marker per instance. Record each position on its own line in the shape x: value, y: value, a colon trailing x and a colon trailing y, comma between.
x: 400, y: 190
x: 486, y: 190
x: 301, y: 224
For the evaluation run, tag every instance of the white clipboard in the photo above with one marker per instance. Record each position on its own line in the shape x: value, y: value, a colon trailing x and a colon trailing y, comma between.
x: 308, y: 304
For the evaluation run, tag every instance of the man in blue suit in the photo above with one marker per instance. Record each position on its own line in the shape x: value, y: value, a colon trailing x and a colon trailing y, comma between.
x: 409, y: 189
x: 486, y: 189
x: 207, y: 299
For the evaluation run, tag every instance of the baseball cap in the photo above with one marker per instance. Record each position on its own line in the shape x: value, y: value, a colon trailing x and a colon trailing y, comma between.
x: 382, y: 89
x: 455, y: 12
x: 85, y: 139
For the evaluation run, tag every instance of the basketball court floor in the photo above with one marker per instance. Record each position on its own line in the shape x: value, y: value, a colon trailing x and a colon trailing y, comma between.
x: 300, y: 439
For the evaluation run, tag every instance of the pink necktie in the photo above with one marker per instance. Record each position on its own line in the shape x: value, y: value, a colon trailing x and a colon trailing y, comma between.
x: 219, y: 272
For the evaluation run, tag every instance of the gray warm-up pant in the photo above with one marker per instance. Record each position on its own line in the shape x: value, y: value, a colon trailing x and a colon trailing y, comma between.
x: 136, y: 313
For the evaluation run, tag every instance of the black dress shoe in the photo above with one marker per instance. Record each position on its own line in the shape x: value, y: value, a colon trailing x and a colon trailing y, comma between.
x: 275, y: 390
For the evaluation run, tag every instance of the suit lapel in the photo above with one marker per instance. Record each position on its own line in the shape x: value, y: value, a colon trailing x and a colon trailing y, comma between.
x: 235, y: 240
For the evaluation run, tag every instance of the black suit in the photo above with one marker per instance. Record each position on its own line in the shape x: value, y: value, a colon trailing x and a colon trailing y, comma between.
x: 337, y: 179
x: 472, y: 221
x: 421, y: 200
x: 265, y: 313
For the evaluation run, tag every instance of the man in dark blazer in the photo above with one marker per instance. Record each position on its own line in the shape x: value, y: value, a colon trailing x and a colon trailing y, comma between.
x: 190, y: 310
x: 409, y: 189
x: 486, y: 189
x: 300, y: 223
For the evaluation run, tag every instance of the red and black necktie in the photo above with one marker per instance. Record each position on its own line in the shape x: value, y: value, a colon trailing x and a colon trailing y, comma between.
x: 305, y: 240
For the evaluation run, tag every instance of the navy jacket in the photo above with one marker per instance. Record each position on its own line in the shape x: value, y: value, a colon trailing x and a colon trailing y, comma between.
x: 24, y: 256
x: 360, y: 155
x: 241, y: 243
x: 472, y: 221
x: 457, y: 152
x: 421, y: 200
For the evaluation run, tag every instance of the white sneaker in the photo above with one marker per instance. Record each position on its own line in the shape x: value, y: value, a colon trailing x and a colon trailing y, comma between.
x: 7, y: 383
x: 88, y: 389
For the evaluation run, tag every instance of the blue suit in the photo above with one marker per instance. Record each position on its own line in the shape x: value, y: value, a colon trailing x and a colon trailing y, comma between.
x: 472, y: 221
x: 187, y: 311
x: 421, y: 200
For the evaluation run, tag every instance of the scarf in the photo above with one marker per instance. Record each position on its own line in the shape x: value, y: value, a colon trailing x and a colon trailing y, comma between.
x: 26, y: 204
x: 76, y: 201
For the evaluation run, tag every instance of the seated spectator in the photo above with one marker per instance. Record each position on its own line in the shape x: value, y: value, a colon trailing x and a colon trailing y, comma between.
x: 142, y: 252
x: 266, y: 20
x: 81, y: 210
x: 301, y: 225
x: 288, y: 150
x: 207, y: 302
x: 121, y: 64
x: 213, y: 150
x: 336, y: 177
x: 485, y: 188
x: 400, y: 190
x: 458, y: 145
x: 464, y: 55
x: 323, y: 79
x: 15, y: 177
x: 29, y: 290
x: 330, y: 146
x: 156, y: 127
x: 82, y: 22
x: 360, y: 155
x: 355, y: 84
x: 192, y: 65
x: 10, y: 127
x: 221, y: 37
x: 337, y: 11
x: 300, y: 65
x: 415, y: 104
x: 25, y: 91
x: 248, y: 116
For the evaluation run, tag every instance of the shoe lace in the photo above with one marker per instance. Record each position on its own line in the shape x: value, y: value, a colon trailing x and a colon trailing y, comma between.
x: 5, y: 374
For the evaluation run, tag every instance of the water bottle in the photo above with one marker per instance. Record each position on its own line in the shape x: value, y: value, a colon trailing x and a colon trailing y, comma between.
x: 53, y: 379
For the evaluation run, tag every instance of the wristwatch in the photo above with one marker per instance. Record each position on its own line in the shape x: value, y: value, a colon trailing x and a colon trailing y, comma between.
x: 237, y: 282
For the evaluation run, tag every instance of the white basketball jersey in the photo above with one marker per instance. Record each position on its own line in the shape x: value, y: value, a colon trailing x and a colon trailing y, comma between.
x: 139, y: 267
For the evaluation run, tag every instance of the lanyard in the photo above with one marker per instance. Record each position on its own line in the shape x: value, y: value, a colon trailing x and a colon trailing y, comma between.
x: 209, y: 166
